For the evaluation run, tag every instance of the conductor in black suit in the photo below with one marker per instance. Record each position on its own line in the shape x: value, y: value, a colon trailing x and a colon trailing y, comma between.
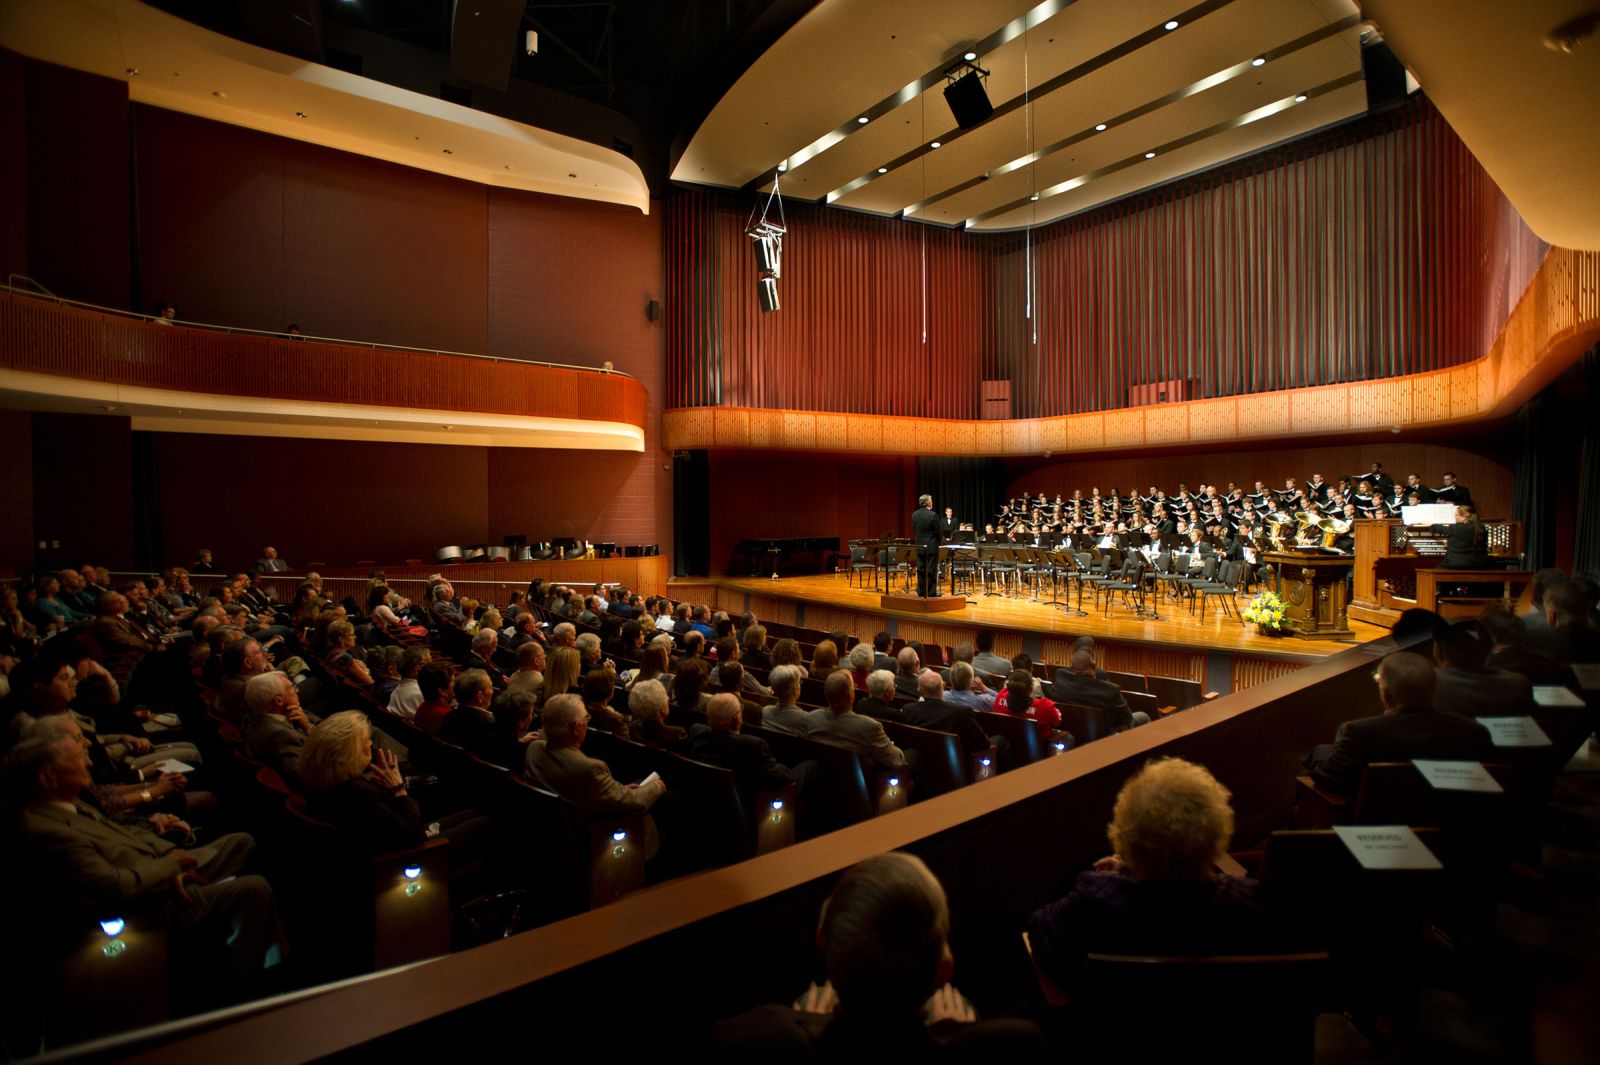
x: 925, y: 526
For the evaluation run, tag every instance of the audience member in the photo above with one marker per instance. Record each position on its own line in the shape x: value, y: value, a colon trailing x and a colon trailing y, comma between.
x: 881, y: 658
x: 962, y: 691
x: 470, y: 724
x: 825, y: 659
x: 647, y: 706
x: 556, y: 763
x: 1018, y: 698
x: 1568, y: 636
x: 1464, y: 685
x: 909, y: 665
x: 839, y: 724
x: 860, y: 660
x: 598, y: 688
x: 529, y: 677
x: 689, y: 697
x: 407, y: 695
x: 1078, y: 684
x: 434, y: 681
x: 1408, y: 728
x: 986, y: 662
x: 275, y: 729
x: 879, y: 701
x: 1159, y: 893
x: 884, y: 939
x: 719, y: 742
x: 507, y: 745
x: 785, y: 715
x: 933, y: 712
x: 1508, y: 650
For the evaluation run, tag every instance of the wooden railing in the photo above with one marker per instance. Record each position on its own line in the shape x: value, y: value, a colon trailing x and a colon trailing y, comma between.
x: 701, y: 947
x: 1556, y: 320
x: 53, y: 338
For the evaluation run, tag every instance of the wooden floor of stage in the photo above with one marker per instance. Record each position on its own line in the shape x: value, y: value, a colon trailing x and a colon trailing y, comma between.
x: 1177, y: 628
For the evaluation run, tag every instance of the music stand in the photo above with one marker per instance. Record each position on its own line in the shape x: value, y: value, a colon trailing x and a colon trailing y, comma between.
x: 907, y: 557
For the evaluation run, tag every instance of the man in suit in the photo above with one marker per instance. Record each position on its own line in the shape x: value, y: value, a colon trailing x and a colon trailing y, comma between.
x: 485, y: 642
x: 925, y: 526
x: 883, y: 938
x: 879, y: 700
x: 881, y: 658
x: 275, y: 727
x: 1508, y: 650
x: 986, y: 662
x: 933, y: 711
x: 556, y: 763
x: 908, y: 664
x: 80, y: 867
x: 1408, y: 728
x: 839, y: 724
x: 270, y: 562
x: 1567, y: 635
x: 719, y: 742
x: 1452, y: 491
x: 1465, y: 685
x: 1082, y: 685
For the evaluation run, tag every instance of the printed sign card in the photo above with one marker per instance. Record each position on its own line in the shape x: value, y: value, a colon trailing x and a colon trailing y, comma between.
x: 1457, y: 776
x: 1555, y: 695
x: 1515, y: 731
x: 1387, y: 847
x: 1588, y: 674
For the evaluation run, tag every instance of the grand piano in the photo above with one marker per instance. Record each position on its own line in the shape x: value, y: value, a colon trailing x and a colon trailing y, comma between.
x: 793, y: 554
x: 1389, y: 554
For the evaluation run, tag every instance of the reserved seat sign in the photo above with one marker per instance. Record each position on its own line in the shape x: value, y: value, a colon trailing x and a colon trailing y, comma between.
x: 1387, y: 847
x: 1457, y: 776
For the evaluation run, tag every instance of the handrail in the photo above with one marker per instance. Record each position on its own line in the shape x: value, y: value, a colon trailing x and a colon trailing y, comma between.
x: 241, y: 331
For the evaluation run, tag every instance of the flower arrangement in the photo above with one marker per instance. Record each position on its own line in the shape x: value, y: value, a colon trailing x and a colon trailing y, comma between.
x: 1266, y: 610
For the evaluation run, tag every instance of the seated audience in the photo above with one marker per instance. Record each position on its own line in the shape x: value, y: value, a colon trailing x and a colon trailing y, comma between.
x: 77, y: 866
x: 933, y: 712
x: 384, y: 665
x: 507, y: 744
x: 648, y: 708
x: 962, y: 691
x: 861, y: 664
x: 1508, y: 649
x: 719, y: 742
x: 884, y: 939
x: 881, y: 658
x: 689, y: 696
x: 1078, y: 684
x: 1159, y: 894
x: 986, y: 662
x: 1569, y: 635
x: 1465, y: 685
x: 435, y: 682
x: 485, y: 642
x: 786, y: 652
x: 275, y: 729
x: 879, y: 701
x: 470, y: 723
x: 529, y: 677
x: 598, y: 688
x: 407, y: 695
x: 825, y: 659
x: 241, y: 660
x: 753, y: 651
x: 1408, y: 728
x: 729, y: 653
x: 909, y: 665
x: 555, y: 762
x: 785, y: 715
x: 839, y: 724
x: 1018, y: 698
x: 563, y: 674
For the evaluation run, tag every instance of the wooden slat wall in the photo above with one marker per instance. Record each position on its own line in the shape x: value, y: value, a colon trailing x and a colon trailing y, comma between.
x: 1248, y: 672
x: 1555, y: 321
x: 1373, y: 250
x: 47, y: 338
x: 642, y: 576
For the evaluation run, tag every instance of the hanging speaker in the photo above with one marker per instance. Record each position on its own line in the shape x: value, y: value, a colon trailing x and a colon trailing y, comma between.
x: 1384, y: 75
x: 767, y: 293
x: 968, y: 100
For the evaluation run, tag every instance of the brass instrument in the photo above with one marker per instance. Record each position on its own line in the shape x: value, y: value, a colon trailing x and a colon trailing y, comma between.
x: 1332, y: 529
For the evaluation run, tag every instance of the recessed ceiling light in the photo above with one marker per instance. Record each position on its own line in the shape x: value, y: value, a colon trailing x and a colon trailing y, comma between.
x: 970, y: 56
x: 1149, y: 155
x: 1172, y: 24
x: 862, y: 120
x: 1300, y: 99
x: 1259, y: 61
x: 883, y: 170
x: 1100, y: 127
x: 935, y: 144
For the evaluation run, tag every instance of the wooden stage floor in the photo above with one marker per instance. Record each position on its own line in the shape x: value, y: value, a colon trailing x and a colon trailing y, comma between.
x: 1179, y: 628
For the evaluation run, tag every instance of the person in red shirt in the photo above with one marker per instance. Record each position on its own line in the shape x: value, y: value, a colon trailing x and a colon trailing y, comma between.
x: 1018, y: 699
x: 436, y: 681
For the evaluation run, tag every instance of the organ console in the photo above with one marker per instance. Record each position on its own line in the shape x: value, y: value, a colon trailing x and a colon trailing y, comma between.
x: 1389, y: 553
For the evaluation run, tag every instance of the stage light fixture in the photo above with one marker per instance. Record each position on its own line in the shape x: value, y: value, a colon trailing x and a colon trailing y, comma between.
x: 767, y: 234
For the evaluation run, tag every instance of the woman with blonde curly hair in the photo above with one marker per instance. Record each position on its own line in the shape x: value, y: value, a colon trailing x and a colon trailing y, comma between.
x: 1159, y: 893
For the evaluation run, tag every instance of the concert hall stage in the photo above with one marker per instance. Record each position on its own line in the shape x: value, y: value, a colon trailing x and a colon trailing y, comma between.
x: 1218, y: 651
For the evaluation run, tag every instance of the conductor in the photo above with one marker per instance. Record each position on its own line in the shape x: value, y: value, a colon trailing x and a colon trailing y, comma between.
x: 925, y: 526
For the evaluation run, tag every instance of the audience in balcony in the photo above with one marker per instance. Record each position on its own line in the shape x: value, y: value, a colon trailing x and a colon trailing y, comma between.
x: 1159, y: 893
x: 884, y: 938
x: 269, y: 562
x: 1463, y: 683
x: 1409, y: 727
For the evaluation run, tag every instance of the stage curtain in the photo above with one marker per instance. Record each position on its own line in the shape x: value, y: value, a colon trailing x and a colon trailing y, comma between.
x: 1533, y: 494
x: 974, y: 487
x: 1586, y: 543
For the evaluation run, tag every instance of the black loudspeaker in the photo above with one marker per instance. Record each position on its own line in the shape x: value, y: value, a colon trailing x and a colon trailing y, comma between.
x: 1384, y: 74
x: 652, y: 310
x: 968, y: 100
x: 484, y: 38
